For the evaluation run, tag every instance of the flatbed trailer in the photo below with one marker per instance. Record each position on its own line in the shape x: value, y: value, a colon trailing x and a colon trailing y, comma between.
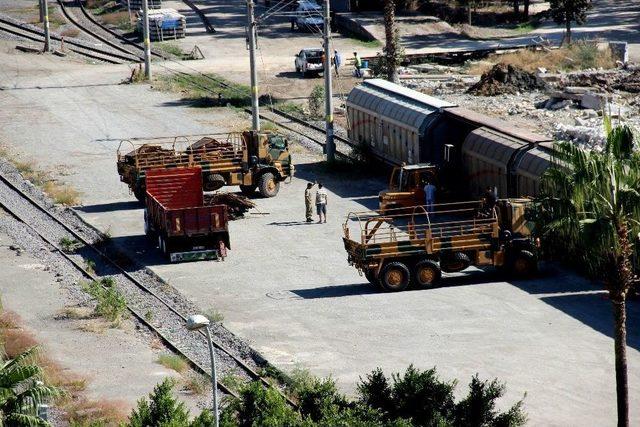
x: 176, y: 215
x: 254, y: 161
x: 394, y: 251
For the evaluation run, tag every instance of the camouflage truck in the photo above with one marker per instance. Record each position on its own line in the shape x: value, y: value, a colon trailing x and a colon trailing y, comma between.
x: 406, y: 186
x: 251, y: 160
x: 396, y: 251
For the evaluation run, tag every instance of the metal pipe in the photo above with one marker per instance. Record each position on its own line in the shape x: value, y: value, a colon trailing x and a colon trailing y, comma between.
x: 47, y: 36
x: 328, y: 89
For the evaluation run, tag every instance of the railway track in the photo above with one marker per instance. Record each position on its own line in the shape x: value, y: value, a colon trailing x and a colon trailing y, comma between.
x: 132, y: 56
x: 170, y: 325
x: 79, y: 48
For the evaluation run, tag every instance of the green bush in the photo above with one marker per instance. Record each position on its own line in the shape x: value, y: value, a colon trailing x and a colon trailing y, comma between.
x: 110, y: 302
x: 415, y: 398
x: 162, y: 409
x: 316, y: 102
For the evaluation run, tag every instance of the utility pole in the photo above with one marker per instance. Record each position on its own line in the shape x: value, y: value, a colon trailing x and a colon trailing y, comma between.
x: 251, y: 28
x: 328, y: 89
x: 47, y: 37
x: 147, y: 41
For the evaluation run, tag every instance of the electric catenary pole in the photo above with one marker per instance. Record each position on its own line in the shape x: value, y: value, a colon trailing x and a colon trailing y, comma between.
x: 147, y: 41
x: 251, y: 29
x: 47, y: 37
x: 328, y: 89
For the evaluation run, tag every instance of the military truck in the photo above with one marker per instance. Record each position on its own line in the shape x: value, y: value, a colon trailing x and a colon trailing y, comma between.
x: 249, y: 159
x: 406, y: 186
x: 394, y: 251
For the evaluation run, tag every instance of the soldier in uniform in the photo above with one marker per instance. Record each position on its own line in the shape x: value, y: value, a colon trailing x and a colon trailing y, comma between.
x: 308, y: 202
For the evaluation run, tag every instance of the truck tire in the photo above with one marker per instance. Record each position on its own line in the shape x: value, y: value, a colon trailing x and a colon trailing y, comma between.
x: 371, y: 278
x: 140, y: 193
x: 248, y: 190
x: 427, y: 273
x: 457, y: 262
x: 268, y: 185
x: 395, y: 277
x: 524, y: 264
x: 163, y: 246
x: 216, y: 181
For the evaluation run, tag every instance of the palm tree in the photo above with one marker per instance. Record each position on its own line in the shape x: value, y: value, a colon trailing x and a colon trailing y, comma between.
x: 392, y: 51
x: 21, y: 391
x: 592, y: 201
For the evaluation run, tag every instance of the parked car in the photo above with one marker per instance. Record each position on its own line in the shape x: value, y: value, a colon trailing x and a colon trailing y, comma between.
x: 308, y: 17
x: 309, y: 61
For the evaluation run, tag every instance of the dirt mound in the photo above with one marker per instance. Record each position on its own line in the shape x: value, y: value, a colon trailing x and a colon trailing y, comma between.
x: 506, y: 78
x: 623, y: 80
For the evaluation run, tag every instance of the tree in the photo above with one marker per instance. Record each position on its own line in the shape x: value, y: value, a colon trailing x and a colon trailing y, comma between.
x: 591, y: 202
x: 392, y: 50
x: 161, y: 410
x: 21, y: 391
x: 566, y: 11
x: 526, y: 9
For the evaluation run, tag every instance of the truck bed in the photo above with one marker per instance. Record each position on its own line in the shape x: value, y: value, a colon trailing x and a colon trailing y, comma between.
x: 176, y: 211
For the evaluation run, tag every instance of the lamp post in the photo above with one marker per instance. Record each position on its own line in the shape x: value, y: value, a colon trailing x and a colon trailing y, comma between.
x: 194, y: 323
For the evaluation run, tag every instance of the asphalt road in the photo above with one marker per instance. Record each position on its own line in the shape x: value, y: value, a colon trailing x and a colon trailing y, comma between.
x: 286, y: 287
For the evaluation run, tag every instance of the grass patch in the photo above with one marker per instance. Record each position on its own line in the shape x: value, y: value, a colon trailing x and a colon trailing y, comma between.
x: 70, y: 32
x: 372, y: 44
x: 578, y: 56
x: 197, y: 384
x: 205, y: 91
x: 291, y: 108
x: 233, y: 381
x: 91, y: 413
x: 61, y: 194
x: 119, y: 19
x: 214, y: 315
x: 75, y: 313
x: 170, y: 48
x: 173, y: 361
x: 110, y: 302
x: 68, y: 245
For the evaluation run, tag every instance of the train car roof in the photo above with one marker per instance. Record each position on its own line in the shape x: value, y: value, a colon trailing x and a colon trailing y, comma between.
x: 393, y: 102
x: 500, y: 125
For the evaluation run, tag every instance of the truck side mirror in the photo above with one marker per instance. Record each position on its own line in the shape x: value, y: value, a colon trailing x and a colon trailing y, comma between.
x: 254, y: 160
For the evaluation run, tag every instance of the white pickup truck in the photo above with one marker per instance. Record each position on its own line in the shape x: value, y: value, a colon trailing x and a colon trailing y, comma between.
x: 309, y: 61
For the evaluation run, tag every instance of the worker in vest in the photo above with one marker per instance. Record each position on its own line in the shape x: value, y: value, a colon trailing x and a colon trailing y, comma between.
x: 358, y: 64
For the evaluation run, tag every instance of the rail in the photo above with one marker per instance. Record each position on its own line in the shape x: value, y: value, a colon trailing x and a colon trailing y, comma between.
x: 175, y: 346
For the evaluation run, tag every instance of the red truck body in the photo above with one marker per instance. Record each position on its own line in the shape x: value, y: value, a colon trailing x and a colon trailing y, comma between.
x: 175, y: 214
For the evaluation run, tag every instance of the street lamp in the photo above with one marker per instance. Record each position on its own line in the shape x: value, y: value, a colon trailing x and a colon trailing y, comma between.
x: 194, y: 323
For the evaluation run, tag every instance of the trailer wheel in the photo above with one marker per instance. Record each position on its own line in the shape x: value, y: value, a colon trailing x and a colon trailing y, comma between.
x: 147, y: 227
x: 248, y: 190
x: 427, y: 273
x: 395, y: 277
x: 524, y: 264
x: 162, y: 245
x: 268, y: 185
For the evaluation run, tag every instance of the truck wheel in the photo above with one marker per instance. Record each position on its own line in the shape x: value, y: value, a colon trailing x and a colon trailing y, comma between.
x: 268, y: 185
x: 427, y: 273
x: 395, y: 277
x: 371, y: 278
x: 147, y: 227
x: 140, y: 194
x: 216, y: 181
x: 248, y: 190
x: 524, y: 264
x: 162, y: 245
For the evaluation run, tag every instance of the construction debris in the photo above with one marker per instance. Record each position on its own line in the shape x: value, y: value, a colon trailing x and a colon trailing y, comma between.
x: 237, y: 205
x: 506, y: 78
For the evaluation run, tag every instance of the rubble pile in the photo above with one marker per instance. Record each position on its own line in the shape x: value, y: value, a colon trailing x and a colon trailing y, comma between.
x: 237, y: 205
x: 623, y: 80
x: 506, y: 78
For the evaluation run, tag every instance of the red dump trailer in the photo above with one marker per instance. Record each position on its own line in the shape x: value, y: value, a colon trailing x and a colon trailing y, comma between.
x: 176, y: 215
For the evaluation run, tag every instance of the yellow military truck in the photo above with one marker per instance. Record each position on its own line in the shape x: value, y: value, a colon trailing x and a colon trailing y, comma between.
x: 249, y: 159
x: 406, y: 186
x: 394, y: 251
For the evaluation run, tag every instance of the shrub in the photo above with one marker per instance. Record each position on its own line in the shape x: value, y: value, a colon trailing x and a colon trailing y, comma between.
x: 316, y: 102
x: 162, y: 409
x: 259, y: 406
x: 110, y: 302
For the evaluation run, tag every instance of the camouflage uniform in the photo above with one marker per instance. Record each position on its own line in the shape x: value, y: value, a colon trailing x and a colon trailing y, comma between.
x: 308, y: 202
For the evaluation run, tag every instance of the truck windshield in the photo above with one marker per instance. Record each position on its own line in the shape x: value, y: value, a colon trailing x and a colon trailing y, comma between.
x: 277, y: 142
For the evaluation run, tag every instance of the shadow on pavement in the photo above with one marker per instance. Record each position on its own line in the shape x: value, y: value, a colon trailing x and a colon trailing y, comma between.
x: 111, y: 207
x: 291, y: 223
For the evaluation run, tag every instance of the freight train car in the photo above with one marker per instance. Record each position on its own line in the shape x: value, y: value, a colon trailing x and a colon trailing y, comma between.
x: 400, y: 125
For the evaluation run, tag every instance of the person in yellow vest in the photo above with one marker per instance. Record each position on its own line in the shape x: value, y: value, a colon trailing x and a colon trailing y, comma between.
x: 358, y: 64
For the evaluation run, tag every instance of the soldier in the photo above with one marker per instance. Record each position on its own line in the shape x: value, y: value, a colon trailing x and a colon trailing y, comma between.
x: 308, y: 202
x: 429, y: 195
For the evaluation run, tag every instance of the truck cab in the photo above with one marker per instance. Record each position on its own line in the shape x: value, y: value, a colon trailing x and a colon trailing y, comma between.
x: 406, y: 186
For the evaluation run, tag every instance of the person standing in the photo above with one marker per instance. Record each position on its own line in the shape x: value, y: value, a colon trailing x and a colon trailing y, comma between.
x: 308, y: 201
x: 429, y: 195
x: 490, y: 199
x: 358, y: 64
x: 337, y: 62
x: 321, y: 203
